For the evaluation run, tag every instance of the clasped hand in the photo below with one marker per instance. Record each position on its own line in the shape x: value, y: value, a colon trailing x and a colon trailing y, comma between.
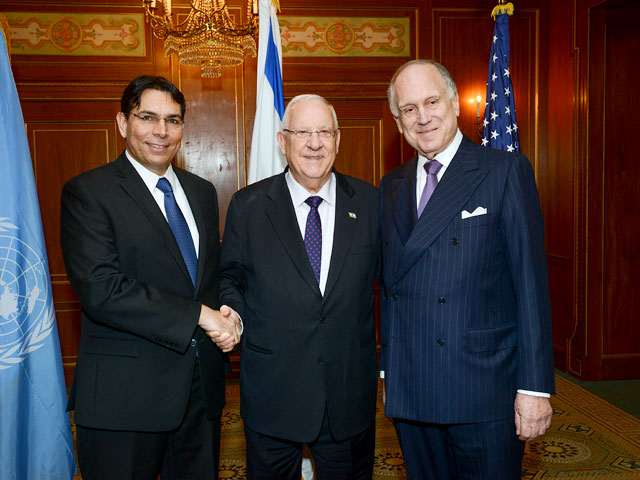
x: 222, y: 326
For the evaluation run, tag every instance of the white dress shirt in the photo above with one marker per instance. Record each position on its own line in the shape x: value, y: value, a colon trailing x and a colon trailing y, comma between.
x: 443, y: 157
x: 150, y: 179
x: 327, y: 212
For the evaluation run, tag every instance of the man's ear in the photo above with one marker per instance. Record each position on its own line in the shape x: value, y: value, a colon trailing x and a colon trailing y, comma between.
x: 122, y: 122
x: 281, y: 143
x: 399, y: 124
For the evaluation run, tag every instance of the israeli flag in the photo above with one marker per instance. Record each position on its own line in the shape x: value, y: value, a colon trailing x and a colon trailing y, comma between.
x: 35, y: 435
x: 265, y: 159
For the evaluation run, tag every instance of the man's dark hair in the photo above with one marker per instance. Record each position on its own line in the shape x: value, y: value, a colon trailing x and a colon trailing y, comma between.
x: 132, y: 94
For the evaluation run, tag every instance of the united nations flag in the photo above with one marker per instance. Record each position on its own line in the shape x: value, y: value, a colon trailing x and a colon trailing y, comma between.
x: 35, y: 436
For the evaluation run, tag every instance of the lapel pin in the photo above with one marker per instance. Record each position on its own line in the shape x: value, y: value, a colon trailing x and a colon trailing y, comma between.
x: 352, y: 215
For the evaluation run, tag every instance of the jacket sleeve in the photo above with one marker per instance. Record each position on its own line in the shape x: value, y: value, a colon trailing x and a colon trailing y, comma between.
x: 523, y: 228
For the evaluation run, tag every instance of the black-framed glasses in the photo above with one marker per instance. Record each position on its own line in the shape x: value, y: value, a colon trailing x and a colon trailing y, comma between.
x: 305, y: 134
x: 173, y: 123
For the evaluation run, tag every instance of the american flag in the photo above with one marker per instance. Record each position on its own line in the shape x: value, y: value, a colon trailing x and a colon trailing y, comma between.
x: 500, y: 129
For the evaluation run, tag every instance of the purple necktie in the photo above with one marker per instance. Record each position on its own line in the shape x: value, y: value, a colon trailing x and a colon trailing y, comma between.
x: 432, y: 168
x: 313, y: 235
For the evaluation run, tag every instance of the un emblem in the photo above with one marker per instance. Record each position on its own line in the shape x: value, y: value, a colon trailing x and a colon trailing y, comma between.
x: 26, y: 310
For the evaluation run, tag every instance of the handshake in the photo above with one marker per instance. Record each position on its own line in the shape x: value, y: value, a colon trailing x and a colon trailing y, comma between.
x: 221, y: 326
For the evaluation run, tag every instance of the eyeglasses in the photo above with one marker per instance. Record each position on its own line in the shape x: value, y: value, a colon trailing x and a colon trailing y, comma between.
x: 172, y: 123
x: 306, y: 134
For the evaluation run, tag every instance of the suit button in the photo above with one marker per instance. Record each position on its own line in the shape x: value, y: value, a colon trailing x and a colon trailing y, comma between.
x: 454, y: 241
x: 394, y: 296
x: 323, y: 320
x: 441, y: 300
x: 193, y: 342
x: 440, y: 342
x: 320, y: 360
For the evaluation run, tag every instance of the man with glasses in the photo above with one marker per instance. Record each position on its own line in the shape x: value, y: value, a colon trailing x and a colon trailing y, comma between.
x: 141, y: 247
x: 298, y: 260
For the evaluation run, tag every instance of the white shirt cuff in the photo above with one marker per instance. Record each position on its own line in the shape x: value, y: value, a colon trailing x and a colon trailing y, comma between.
x: 535, y: 394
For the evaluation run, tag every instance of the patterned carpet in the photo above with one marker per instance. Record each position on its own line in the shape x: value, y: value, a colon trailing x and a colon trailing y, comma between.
x: 589, y: 439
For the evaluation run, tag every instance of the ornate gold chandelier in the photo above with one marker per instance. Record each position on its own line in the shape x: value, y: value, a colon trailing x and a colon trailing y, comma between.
x: 208, y: 37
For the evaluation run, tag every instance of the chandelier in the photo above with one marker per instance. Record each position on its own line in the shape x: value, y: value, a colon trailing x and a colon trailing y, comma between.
x: 208, y: 37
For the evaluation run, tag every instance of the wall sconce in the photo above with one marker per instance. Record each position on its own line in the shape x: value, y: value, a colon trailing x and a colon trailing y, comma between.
x: 479, y: 122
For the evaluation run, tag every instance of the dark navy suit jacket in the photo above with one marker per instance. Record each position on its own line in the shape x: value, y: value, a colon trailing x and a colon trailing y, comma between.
x: 465, y: 310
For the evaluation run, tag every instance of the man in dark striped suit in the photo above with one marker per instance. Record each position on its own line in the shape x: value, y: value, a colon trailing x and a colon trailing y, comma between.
x: 466, y: 323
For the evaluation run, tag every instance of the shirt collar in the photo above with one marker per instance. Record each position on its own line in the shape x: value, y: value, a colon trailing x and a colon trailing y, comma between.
x: 299, y: 194
x: 149, y: 178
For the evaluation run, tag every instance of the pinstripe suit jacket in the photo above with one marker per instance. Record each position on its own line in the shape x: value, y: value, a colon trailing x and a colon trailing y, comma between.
x: 465, y: 310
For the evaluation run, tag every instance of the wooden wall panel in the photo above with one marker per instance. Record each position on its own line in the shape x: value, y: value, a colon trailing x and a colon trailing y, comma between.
x: 561, y: 278
x: 60, y: 151
x: 68, y: 322
x: 556, y: 177
x: 359, y: 154
x: 363, y: 126
x: 621, y: 189
x: 606, y: 343
x: 214, y: 141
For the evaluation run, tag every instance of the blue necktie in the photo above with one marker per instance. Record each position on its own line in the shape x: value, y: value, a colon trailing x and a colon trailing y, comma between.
x: 179, y: 228
x: 313, y: 235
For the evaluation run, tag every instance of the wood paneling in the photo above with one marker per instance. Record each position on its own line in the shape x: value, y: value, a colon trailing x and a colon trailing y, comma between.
x: 556, y: 176
x: 607, y: 341
x: 621, y: 190
x: 59, y: 152
x: 214, y: 142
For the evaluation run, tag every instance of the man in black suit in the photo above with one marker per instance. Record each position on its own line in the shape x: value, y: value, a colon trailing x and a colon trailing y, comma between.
x: 298, y: 260
x: 140, y: 242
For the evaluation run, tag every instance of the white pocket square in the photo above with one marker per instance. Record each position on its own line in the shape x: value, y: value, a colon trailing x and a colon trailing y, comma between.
x: 475, y: 213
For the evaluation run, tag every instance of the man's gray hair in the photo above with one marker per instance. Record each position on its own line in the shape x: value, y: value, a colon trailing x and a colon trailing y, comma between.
x: 449, y: 84
x: 303, y: 98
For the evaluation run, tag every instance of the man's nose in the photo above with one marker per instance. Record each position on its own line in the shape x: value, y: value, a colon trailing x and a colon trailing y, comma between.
x: 423, y: 115
x: 314, y: 141
x: 160, y: 128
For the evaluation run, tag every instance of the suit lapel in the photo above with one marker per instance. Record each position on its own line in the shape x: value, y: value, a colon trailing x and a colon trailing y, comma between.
x: 458, y: 183
x: 285, y: 224
x: 343, y: 230
x: 133, y: 185
x: 403, y: 203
